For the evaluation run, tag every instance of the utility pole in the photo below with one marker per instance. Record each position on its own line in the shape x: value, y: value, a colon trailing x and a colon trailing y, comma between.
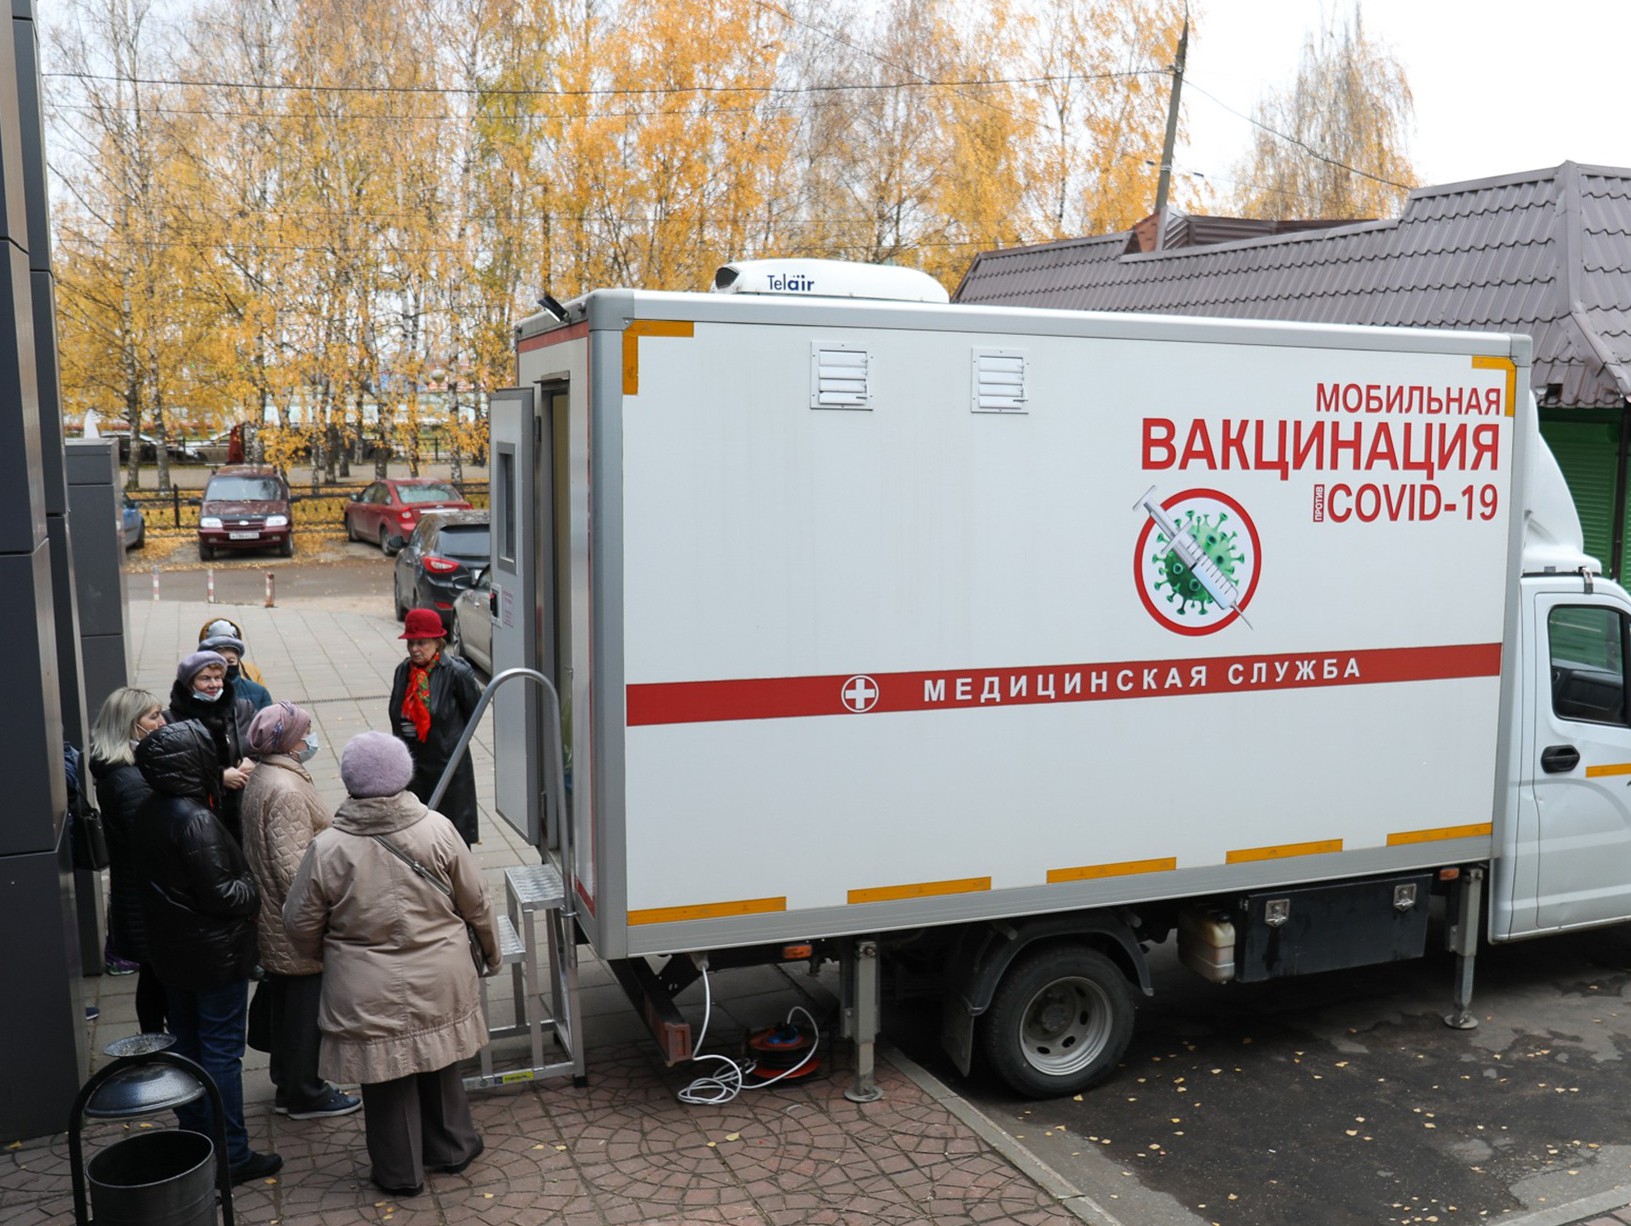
x: 1165, y: 181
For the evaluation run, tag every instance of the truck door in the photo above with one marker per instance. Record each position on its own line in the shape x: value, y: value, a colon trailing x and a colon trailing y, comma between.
x: 512, y: 418
x: 1580, y: 761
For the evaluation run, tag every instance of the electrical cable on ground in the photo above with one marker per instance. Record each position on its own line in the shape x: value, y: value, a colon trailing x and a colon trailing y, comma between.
x: 732, y: 1079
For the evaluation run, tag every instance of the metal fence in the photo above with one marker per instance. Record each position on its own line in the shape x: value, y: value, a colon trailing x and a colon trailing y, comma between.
x: 176, y: 510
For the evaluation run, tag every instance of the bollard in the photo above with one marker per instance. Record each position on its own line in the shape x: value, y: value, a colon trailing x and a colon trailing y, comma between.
x: 211, y: 589
x: 271, y: 589
x: 155, y: 583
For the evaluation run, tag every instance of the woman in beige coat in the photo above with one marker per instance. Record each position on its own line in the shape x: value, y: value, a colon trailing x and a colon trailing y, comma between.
x: 401, y: 1001
x: 281, y: 815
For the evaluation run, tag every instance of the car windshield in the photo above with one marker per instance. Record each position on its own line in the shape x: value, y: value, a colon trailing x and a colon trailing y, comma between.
x: 467, y: 542
x: 411, y: 494
x: 244, y: 489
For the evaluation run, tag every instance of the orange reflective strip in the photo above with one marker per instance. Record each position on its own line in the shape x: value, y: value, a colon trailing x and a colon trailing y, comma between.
x: 1476, y: 830
x: 707, y: 910
x: 1507, y: 364
x: 921, y: 889
x: 631, y: 345
x: 1319, y: 847
x: 1126, y: 868
x: 1609, y: 768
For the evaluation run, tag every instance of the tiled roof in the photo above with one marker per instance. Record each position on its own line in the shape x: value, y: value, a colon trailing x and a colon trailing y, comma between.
x: 1546, y: 253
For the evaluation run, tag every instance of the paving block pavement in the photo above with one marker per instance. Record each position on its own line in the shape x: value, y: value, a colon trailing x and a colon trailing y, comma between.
x: 621, y: 1149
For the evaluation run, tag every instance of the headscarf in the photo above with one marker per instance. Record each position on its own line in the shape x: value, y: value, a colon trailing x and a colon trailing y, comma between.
x: 278, y: 728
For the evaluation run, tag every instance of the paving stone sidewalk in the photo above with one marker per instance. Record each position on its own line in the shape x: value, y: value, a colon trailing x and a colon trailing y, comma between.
x: 622, y: 1149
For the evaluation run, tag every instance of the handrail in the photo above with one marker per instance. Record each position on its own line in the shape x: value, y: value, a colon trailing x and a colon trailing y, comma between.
x: 557, y: 787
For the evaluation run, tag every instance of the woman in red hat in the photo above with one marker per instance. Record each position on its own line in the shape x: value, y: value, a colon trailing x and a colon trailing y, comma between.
x: 432, y: 698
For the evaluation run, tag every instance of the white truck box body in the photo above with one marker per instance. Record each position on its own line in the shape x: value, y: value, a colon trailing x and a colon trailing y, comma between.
x: 860, y: 669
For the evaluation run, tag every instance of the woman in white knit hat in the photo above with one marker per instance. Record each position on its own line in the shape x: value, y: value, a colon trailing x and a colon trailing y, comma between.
x: 401, y: 1004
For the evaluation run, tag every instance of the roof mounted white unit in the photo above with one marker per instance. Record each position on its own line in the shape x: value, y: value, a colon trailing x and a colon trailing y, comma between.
x: 828, y: 279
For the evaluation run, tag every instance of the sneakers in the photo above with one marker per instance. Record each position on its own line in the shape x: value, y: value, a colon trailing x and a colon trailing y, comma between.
x: 119, y: 966
x: 256, y: 1166
x: 335, y: 1102
x: 92, y: 1013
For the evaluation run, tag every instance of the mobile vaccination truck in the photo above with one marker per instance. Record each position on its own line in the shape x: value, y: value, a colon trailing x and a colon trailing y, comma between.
x: 984, y: 648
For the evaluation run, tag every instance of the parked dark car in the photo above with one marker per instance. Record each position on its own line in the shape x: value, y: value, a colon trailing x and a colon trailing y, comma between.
x: 387, y: 512
x: 472, y: 633
x: 439, y: 561
x: 245, y: 506
x: 132, y: 523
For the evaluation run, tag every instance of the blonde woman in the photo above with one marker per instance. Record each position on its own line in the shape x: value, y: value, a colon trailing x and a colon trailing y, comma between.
x: 126, y: 717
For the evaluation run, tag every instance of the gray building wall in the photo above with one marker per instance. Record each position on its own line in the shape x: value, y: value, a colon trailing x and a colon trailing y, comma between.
x: 42, y: 1028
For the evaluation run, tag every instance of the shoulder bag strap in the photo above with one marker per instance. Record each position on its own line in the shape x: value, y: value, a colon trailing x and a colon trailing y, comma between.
x: 415, y: 866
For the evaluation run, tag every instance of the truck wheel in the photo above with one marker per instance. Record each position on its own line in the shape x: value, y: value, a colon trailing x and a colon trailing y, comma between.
x: 286, y: 549
x: 205, y: 553
x: 1060, y: 1020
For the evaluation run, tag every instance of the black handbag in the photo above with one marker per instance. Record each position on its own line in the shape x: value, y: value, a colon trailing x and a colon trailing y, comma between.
x: 477, y: 956
x: 258, y: 1031
x: 87, y: 837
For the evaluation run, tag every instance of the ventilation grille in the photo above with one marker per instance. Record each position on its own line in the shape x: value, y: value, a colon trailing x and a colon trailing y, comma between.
x: 999, y: 381
x: 838, y: 377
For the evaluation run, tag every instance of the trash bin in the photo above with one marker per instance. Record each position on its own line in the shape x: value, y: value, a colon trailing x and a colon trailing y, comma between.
x: 154, y: 1179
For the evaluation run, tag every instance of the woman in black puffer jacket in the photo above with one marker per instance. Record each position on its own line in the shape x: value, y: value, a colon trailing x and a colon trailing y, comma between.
x: 126, y: 717
x: 203, y: 692
x: 199, y: 903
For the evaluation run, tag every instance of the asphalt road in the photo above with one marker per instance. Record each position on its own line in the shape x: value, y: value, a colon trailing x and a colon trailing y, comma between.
x: 325, y: 568
x: 1343, y: 1098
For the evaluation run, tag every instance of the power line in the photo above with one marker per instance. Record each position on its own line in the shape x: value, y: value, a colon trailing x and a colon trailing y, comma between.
x: 603, y: 92
x: 1301, y: 144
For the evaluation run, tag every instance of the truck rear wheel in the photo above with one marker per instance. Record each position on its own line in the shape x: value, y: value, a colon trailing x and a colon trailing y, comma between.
x: 1059, y: 1022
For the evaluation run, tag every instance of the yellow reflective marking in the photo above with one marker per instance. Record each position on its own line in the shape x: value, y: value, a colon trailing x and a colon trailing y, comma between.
x: 1608, y: 768
x: 1481, y: 362
x: 631, y: 345
x: 921, y: 889
x: 1125, y: 868
x: 707, y: 910
x: 1476, y: 830
x: 1318, y: 847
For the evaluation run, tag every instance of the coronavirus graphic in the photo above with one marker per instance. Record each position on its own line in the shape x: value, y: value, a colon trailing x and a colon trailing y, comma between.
x: 1196, y: 560
x: 1217, y: 538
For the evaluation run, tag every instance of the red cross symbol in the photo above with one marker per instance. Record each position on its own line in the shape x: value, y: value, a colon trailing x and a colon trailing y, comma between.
x: 859, y: 694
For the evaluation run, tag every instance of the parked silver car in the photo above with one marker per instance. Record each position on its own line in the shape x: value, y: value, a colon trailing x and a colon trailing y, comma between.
x: 472, y: 632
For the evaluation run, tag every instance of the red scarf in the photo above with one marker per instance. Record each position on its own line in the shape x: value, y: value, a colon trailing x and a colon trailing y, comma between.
x: 416, y: 703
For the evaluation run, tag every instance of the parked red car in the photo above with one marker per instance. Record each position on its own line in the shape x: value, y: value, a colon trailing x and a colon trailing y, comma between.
x: 387, y: 512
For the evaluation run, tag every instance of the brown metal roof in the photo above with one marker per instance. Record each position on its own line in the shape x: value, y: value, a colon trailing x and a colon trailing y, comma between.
x: 1547, y: 252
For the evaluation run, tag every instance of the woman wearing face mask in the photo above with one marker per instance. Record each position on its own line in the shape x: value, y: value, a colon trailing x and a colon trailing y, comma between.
x: 202, y: 692
x: 225, y: 625
x: 232, y: 651
x: 282, y: 813
x: 126, y: 717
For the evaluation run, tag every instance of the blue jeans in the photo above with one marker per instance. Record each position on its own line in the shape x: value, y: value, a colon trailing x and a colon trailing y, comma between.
x: 209, y: 1028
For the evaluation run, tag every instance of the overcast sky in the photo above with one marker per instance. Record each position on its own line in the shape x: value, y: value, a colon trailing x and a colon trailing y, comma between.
x: 1499, y: 86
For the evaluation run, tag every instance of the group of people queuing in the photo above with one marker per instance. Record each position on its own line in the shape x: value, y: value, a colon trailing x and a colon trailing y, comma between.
x: 226, y: 867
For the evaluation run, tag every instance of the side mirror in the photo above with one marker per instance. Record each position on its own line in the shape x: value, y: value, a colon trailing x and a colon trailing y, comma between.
x: 195, y: 502
x: 357, y: 497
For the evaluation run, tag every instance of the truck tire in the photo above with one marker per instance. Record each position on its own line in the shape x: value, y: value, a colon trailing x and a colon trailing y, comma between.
x: 1059, y: 1022
x: 205, y: 553
x: 286, y: 549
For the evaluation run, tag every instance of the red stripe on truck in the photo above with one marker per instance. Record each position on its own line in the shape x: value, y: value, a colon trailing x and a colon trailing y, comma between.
x: 700, y: 702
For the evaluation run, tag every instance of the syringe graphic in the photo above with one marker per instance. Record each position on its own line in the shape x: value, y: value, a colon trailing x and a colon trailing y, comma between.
x: 1218, y: 585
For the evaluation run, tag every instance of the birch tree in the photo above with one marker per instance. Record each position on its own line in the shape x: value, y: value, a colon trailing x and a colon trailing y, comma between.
x: 1334, y: 143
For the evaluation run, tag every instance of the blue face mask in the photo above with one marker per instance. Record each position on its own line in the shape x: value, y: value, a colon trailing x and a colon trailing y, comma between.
x: 308, y: 749
x: 202, y: 697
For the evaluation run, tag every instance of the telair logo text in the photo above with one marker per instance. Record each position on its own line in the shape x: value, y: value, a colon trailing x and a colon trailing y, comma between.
x: 793, y: 284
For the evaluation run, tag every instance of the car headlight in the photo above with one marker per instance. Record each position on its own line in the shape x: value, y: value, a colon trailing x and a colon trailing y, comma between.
x: 277, y: 521
x: 210, y: 521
